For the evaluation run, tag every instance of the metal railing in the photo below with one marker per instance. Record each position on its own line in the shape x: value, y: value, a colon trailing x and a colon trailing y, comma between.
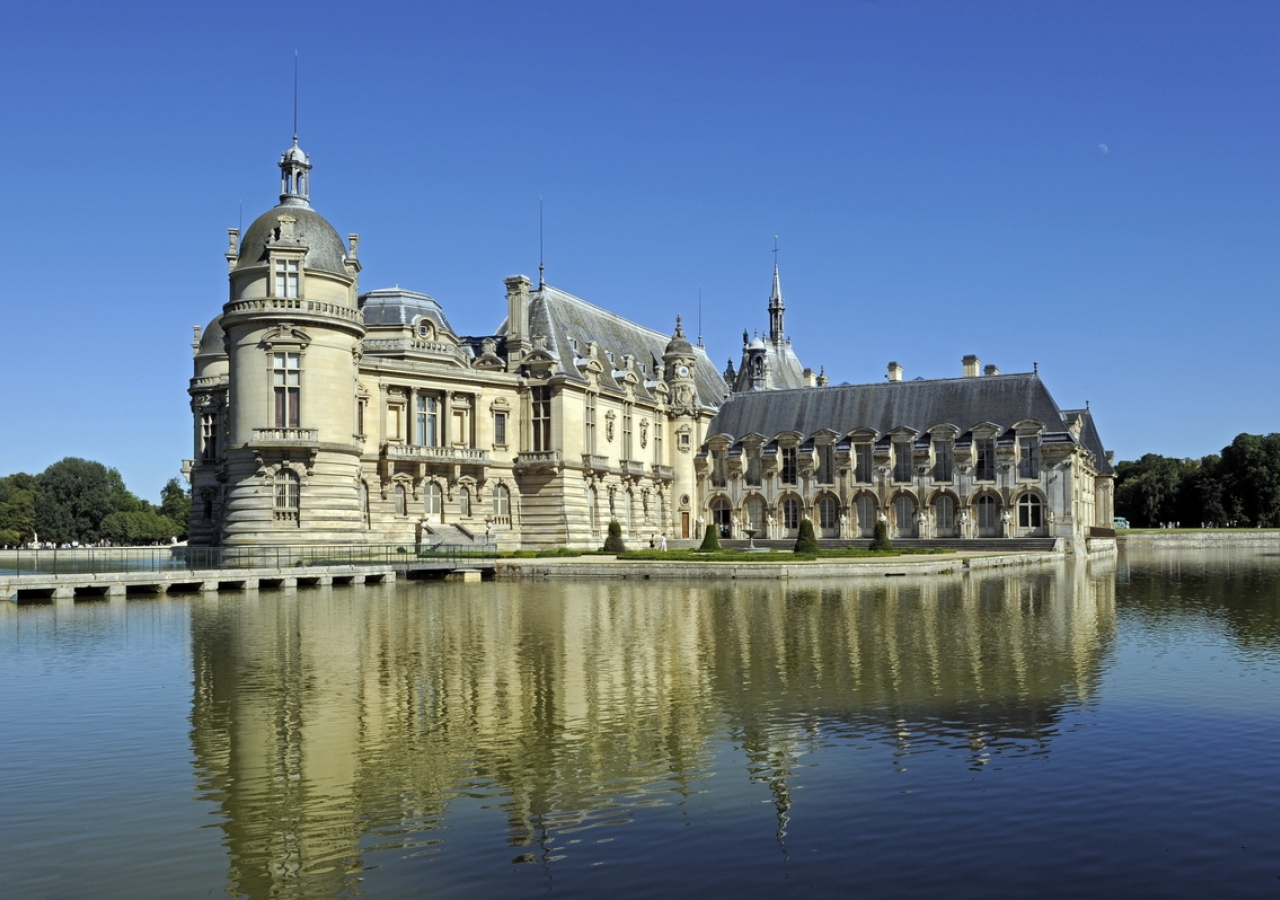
x: 100, y: 560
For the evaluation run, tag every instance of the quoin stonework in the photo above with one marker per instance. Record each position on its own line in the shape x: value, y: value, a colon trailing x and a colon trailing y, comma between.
x: 327, y: 415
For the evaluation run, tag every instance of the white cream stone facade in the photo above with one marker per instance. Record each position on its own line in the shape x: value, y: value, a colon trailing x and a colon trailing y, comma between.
x: 323, y: 415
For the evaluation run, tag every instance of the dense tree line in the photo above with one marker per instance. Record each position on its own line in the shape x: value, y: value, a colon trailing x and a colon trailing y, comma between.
x: 80, y: 501
x: 1239, y: 488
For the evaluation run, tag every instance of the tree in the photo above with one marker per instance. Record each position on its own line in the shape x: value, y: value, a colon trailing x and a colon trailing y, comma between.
x: 806, y: 541
x: 880, y: 541
x: 138, y: 527
x: 613, y: 541
x: 710, y: 539
x: 175, y: 503
x: 17, y: 509
x: 74, y: 496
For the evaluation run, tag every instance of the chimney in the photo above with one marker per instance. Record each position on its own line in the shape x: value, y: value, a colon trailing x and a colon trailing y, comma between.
x: 810, y: 379
x: 895, y: 372
x: 990, y: 369
x: 971, y: 364
x: 517, y: 320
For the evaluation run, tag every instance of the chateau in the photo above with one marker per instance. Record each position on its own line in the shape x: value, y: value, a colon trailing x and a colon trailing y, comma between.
x: 327, y: 415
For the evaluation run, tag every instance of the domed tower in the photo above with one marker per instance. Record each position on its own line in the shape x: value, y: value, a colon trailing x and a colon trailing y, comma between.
x: 293, y: 333
x: 679, y: 372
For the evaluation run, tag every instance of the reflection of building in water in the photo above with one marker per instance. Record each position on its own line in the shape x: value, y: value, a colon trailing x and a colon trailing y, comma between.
x: 327, y: 724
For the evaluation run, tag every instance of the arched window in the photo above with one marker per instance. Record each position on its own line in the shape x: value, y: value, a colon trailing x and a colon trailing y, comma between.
x: 944, y: 515
x: 790, y: 514
x: 464, y: 502
x: 721, y: 517
x: 1030, y: 511
x: 904, y: 510
x: 988, y: 516
x: 364, y: 503
x: 501, y: 501
x: 286, y: 496
x: 400, y: 500
x: 866, y: 506
x: 431, y: 499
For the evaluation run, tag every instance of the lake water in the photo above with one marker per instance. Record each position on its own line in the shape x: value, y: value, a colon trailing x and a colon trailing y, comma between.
x: 1083, y: 730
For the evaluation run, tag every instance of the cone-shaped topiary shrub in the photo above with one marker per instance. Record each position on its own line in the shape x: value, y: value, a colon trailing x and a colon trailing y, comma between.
x: 613, y: 542
x: 881, y: 539
x: 806, y: 542
x: 710, y: 540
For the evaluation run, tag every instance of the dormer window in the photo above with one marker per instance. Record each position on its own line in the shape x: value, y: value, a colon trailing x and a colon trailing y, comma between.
x: 287, y: 273
x: 425, y: 331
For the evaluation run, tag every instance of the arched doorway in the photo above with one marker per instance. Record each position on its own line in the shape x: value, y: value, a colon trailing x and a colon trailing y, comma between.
x: 828, y: 517
x: 866, y: 507
x: 988, y: 516
x: 944, y: 516
x: 755, y: 514
x: 790, y: 510
x: 432, y: 502
x: 722, y: 517
x: 904, y: 510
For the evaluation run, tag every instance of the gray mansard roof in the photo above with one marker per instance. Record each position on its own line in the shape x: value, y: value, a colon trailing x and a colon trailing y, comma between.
x: 570, y: 324
x: 1002, y: 400
x: 396, y: 307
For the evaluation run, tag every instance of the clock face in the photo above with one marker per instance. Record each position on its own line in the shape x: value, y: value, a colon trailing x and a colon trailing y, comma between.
x: 683, y: 371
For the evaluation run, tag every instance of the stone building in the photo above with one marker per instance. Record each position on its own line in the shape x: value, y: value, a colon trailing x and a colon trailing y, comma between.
x: 327, y: 415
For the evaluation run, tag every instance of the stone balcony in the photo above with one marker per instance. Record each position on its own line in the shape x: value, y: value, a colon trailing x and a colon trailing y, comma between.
x: 549, y: 460
x: 632, y: 468
x: 466, y: 456
x: 595, y: 462
x: 665, y: 473
x: 293, y: 437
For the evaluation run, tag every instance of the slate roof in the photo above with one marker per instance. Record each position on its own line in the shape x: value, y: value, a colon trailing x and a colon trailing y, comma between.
x: 1002, y: 400
x: 396, y: 306
x: 570, y: 324
x: 1090, y: 438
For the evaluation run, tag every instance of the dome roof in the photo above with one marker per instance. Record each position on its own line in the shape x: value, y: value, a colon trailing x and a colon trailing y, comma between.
x: 327, y: 253
x: 679, y: 344
x: 211, y: 339
x: 757, y: 344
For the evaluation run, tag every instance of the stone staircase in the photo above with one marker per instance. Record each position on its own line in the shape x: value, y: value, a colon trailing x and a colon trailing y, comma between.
x: 454, y: 535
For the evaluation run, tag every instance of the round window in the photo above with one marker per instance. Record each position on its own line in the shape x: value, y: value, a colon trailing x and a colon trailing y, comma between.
x: 684, y: 500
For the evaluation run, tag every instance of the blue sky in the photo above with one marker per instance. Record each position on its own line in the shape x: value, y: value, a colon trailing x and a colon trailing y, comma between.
x: 1089, y: 186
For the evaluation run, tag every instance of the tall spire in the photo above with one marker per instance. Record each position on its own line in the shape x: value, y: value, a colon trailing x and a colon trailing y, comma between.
x: 295, y: 165
x: 776, y: 304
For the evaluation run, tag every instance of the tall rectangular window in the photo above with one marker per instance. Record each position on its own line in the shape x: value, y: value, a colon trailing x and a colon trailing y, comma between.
x: 753, y: 465
x: 540, y: 398
x: 626, y: 431
x: 1028, y: 457
x: 658, y: 427
x: 788, y: 465
x: 985, y: 464
x: 826, y: 463
x: 901, y: 460
x: 500, y: 428
x: 287, y: 379
x: 862, y: 467
x: 943, y: 458
x: 589, y: 424
x: 718, y: 478
x: 287, y: 277
x: 209, y: 436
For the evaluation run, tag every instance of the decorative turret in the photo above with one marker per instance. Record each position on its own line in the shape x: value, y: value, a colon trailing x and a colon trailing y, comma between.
x: 295, y: 168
